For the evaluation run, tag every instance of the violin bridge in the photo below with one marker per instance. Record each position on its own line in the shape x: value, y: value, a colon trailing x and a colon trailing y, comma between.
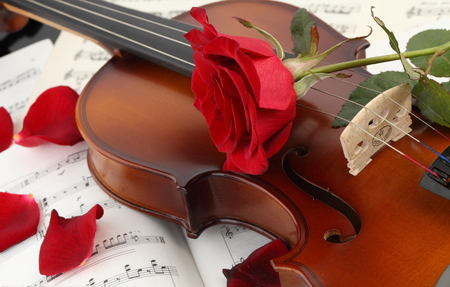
x: 385, y: 118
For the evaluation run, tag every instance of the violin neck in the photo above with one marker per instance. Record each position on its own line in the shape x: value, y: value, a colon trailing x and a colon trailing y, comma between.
x: 145, y: 35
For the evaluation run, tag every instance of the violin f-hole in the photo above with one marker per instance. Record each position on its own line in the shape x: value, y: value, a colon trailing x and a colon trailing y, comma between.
x: 324, y: 195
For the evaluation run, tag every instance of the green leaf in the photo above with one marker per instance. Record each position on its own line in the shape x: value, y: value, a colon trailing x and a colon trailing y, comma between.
x: 446, y: 86
x: 433, y: 101
x: 394, y: 45
x: 367, y: 90
x: 301, y: 26
x: 429, y: 39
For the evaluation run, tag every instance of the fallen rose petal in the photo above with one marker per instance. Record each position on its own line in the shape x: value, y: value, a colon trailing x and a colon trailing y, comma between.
x: 6, y: 129
x: 256, y: 270
x: 51, y: 119
x: 69, y: 242
x: 19, y: 218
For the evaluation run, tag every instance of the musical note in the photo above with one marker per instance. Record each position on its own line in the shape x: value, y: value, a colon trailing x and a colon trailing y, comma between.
x: 85, y: 183
x: 428, y: 11
x: 81, y: 207
x: 239, y: 240
x: 136, y: 274
x: 122, y: 240
x: 33, y: 72
x: 131, y: 274
x: 229, y: 232
x: 344, y: 28
x: 28, y: 74
x: 94, y: 55
x: 18, y: 184
x: 5, y: 85
x: 112, y: 244
x: 77, y: 78
x: 13, y: 108
x: 342, y: 9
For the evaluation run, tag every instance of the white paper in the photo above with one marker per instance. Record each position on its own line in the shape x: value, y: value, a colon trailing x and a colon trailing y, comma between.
x: 19, y: 73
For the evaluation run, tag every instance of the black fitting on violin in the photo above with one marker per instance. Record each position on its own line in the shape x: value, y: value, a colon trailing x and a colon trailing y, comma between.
x: 438, y: 185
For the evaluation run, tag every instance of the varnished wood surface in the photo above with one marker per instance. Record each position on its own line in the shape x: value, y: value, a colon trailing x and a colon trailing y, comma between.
x: 151, y: 149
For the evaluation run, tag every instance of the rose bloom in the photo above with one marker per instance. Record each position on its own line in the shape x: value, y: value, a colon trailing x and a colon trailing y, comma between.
x: 245, y: 94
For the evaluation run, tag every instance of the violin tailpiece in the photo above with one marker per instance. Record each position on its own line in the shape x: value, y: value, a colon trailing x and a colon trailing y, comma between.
x: 442, y: 168
x: 385, y: 118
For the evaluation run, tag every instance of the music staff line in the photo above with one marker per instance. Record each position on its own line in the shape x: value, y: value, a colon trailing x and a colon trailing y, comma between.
x: 47, y: 201
x: 20, y: 247
x: 93, y: 55
x: 39, y: 236
x: 134, y: 274
x: 66, y: 276
x: 328, y: 8
x: 428, y: 11
x: 16, y: 106
x: 20, y: 183
x: 122, y: 241
x: 229, y: 233
x: 28, y: 74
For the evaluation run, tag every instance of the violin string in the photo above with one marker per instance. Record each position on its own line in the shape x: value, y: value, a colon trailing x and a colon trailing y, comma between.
x: 384, y: 119
x: 159, y: 35
x: 125, y: 23
x: 411, y: 113
x: 151, y: 32
x: 384, y: 142
x: 113, y: 33
x: 131, y: 16
x: 186, y: 44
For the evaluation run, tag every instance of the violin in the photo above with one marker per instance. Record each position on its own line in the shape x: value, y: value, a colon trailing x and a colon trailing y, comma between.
x: 150, y: 149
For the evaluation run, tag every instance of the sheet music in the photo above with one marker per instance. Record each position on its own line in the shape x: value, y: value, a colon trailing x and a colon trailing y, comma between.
x: 59, y: 178
x: 130, y: 247
x: 223, y: 246
x: 19, y: 74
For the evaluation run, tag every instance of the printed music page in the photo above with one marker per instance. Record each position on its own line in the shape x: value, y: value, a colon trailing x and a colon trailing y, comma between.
x: 222, y: 247
x: 19, y: 74
x: 130, y: 249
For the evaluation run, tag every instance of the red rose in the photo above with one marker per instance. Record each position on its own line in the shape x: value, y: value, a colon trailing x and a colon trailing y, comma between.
x: 245, y: 94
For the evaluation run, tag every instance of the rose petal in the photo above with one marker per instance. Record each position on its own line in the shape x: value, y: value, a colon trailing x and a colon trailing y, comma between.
x: 199, y: 14
x: 6, y: 129
x: 51, y: 119
x: 68, y: 242
x: 241, y: 160
x: 256, y: 270
x: 19, y: 218
x: 245, y: 93
x: 273, y: 95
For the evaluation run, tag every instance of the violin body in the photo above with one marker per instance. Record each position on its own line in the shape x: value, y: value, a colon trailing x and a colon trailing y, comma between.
x: 150, y: 149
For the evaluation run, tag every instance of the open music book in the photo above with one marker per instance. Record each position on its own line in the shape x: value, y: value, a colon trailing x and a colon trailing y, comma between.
x: 131, y: 248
